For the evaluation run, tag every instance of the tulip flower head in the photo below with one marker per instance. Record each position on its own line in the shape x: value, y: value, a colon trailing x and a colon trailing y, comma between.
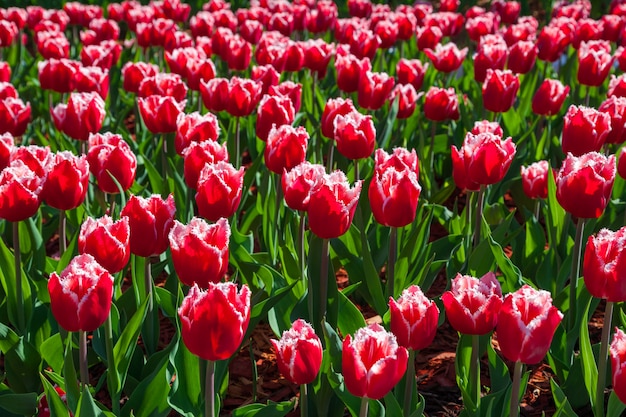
x: 298, y: 183
x: 549, y: 98
x: 372, y: 362
x: 355, y: 135
x: 219, y: 190
x: 618, y: 363
x: 413, y: 318
x: 473, y: 304
x: 499, y: 90
x: 82, y: 115
x: 107, y: 241
x: 526, y: 325
x: 20, y: 190
x: 150, y: 221
x: 604, y: 265
x: 441, y: 104
x: 535, y: 179
x: 214, y: 321
x: 286, y: 148
x: 110, y: 156
x: 67, y: 181
x: 299, y: 353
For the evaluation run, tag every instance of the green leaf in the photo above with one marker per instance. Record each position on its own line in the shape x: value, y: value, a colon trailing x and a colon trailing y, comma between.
x: 350, y: 319
x: 55, y: 403
x: 21, y: 404
x: 563, y: 407
x: 22, y: 365
x: 187, y: 396
x: 590, y: 369
x: 271, y: 409
x: 87, y: 406
x: 52, y: 351
x: 498, y: 371
x: 8, y: 280
x: 462, y: 364
x: 615, y: 407
x: 8, y: 338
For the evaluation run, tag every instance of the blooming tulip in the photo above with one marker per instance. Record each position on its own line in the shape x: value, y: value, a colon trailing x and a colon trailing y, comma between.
x: 492, y: 54
x: 407, y: 99
x: 413, y: 318
x: 372, y: 362
x: 428, y: 37
x: 200, y: 251
x: 549, y: 98
x: 160, y: 113
x: 67, y: 181
x: 441, y: 104
x: 355, y: 135
x: 109, y: 157
x: 195, y: 127
x: 446, y: 58
x: 584, y: 130
x: 332, y: 205
x: 615, y: 107
x: 14, y: 116
x: 134, y: 73
x: 273, y: 111
x: 82, y: 115
x: 107, y: 241
x: 299, y: 353
x: 92, y: 79
x: 80, y: 298
x: 485, y: 126
x: 219, y: 190
x: 163, y: 84
x: 150, y: 220
x: 349, y: 69
x: 604, y: 265
x: 472, y: 305
x: 499, y: 90
x: 288, y: 89
x: 244, y: 95
x: 618, y: 364
x: 411, y: 71
x: 197, y: 155
x: 522, y: 56
x: 333, y: 108
x: 482, y: 160
x: 594, y: 62
x: 374, y: 88
x: 214, y: 321
x: 526, y: 325
x: 286, y: 148
x: 298, y: 183
x: 551, y: 43
x: 20, y: 190
x: 535, y: 179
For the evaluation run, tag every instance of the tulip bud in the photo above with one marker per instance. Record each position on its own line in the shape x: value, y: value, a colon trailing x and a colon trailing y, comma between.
x: 526, y: 325
x: 372, y: 362
x: 150, y: 220
x: 299, y: 353
x: 80, y: 298
x: 535, y: 179
x: 214, y: 321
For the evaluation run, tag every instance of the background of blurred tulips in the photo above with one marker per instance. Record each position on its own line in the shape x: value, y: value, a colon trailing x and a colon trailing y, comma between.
x: 316, y: 208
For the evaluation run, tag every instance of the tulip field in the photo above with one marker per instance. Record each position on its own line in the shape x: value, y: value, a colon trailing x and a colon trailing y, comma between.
x: 336, y: 189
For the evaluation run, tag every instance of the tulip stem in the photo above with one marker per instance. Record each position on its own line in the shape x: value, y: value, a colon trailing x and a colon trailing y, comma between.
x: 356, y: 171
x: 149, y: 329
x: 365, y: 402
x: 304, y: 398
x: 323, y: 286
x: 17, y: 253
x: 479, y: 214
x: 475, y: 369
x: 329, y: 166
x: 431, y: 155
x: 391, y: 260
x: 82, y: 357
x: 409, y: 383
x: 517, y: 380
x: 111, y: 372
x: 537, y: 208
x: 237, y: 144
x: 209, y: 390
x: 604, y: 349
x: 62, y: 227
x: 573, y: 281
x: 303, y: 275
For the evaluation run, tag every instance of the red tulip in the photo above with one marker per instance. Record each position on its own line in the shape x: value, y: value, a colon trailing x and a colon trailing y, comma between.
x: 5, y: 72
x: 491, y: 54
x: 14, y: 116
x: 551, y: 43
x: 92, y: 79
x: 215, y: 94
x: 472, y: 305
x: 7, y: 90
x: 195, y: 127
x: 317, y: 55
x: 251, y: 31
x: 526, y: 325
x: 522, y: 56
x: 163, y: 84
x: 134, y: 73
x: 413, y: 318
x: 57, y: 74
x: 333, y: 108
x: 197, y: 155
x: 266, y: 75
x: 482, y: 160
x: 587, y: 30
x: 349, y: 69
x: 286, y: 148
x: 449, y: 5
x: 485, y: 126
x: 499, y: 90
x: 446, y: 58
x: 67, y: 181
x: 615, y: 107
x: 360, y: 8
x: 81, y: 14
x: 160, y: 113
x: 584, y: 184
x: 299, y: 353
x: 394, y: 190
x: 200, y: 251
x: 411, y: 71
x: 428, y: 37
x: 82, y: 115
x: 107, y: 241
x: 355, y: 135
x: 522, y: 31
x: 238, y: 53
x: 8, y: 33
x: 20, y: 190
x: 213, y: 322
x: 584, y: 130
x: 374, y: 89
x: 332, y: 205
x: 150, y: 220
x: 621, y: 164
x: 407, y: 99
x: 387, y: 32
x: 288, y: 89
x: 441, y: 104
x: 372, y: 362
x: 484, y: 24
x: 535, y: 179
x: 618, y: 364
x: 298, y: 183
x: 604, y: 265
x: 617, y: 86
x: 594, y: 62
x: 100, y: 30
x: 52, y: 44
x: 102, y: 55
x: 273, y: 111
x: 219, y: 190
x: 549, y: 98
x: 80, y: 298
x: 321, y: 19
x: 244, y: 95
x: 613, y: 25
x: 7, y: 145
x: 110, y: 156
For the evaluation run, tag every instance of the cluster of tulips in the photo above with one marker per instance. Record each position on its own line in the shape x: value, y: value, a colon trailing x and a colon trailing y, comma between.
x: 198, y: 147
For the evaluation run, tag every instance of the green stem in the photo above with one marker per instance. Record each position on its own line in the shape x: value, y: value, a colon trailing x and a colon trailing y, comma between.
x: 17, y: 253
x: 537, y: 208
x: 304, y: 398
x: 517, y: 380
x: 431, y: 155
x: 475, y: 369
x: 111, y: 372
x: 309, y: 282
x: 323, y: 286
x: 356, y: 171
x: 209, y: 390
x: 364, y: 406
x: 82, y: 357
x: 329, y: 165
x: 391, y: 261
x: 479, y: 214
x: 149, y: 323
x: 237, y: 144
x: 573, y: 281
x: 409, y: 384
x: 62, y: 233
x: 604, y: 348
